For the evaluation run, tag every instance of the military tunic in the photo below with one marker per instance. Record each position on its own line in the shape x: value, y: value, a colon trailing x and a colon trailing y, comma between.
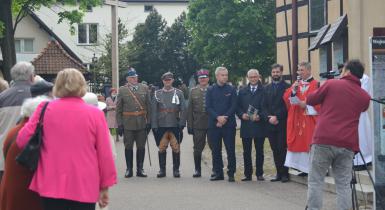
x: 197, y: 118
x: 133, y: 115
x: 168, y: 116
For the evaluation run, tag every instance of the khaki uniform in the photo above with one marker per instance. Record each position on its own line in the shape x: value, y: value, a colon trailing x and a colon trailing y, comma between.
x: 197, y: 118
x: 133, y: 113
x: 133, y: 116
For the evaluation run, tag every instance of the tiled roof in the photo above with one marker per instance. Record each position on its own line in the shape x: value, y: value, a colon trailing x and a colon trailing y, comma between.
x: 54, y: 59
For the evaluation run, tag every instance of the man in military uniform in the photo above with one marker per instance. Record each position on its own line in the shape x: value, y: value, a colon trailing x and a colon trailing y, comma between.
x: 168, y: 121
x: 133, y: 118
x: 221, y: 103
x: 197, y: 118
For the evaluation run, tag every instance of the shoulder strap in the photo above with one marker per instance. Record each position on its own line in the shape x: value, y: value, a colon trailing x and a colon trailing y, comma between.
x: 42, y: 113
x: 136, y: 99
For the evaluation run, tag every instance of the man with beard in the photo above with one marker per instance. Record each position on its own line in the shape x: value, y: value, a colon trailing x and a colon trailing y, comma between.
x: 133, y: 117
x: 275, y: 114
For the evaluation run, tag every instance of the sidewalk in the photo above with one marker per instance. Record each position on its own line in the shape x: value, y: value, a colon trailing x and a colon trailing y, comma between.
x: 189, y: 193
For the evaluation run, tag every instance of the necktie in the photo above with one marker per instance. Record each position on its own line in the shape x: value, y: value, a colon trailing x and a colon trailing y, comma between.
x: 253, y: 90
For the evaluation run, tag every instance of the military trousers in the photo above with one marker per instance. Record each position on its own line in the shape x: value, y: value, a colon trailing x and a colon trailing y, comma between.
x: 135, y: 136
x: 216, y: 135
x: 169, y: 138
x: 199, y: 139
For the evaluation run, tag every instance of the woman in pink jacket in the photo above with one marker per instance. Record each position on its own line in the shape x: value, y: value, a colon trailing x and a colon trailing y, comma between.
x: 76, y: 165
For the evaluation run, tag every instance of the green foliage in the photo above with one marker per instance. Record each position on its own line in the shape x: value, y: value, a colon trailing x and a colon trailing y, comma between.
x: 1, y: 29
x: 176, y: 54
x: 101, y: 70
x: 148, y: 46
x: 237, y: 34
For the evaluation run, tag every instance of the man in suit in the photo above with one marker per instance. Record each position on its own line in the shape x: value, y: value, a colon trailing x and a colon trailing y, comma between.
x: 274, y: 114
x: 221, y: 103
x: 252, y: 127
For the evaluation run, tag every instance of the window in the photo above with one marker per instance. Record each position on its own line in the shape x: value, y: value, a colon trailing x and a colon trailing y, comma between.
x: 338, y: 52
x: 323, y: 59
x: 317, y: 14
x: 24, y: 45
x: 148, y: 8
x: 88, y: 33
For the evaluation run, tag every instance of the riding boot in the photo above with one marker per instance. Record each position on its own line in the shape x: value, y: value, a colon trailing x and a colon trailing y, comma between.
x: 162, y: 164
x: 176, y: 163
x: 129, y: 156
x: 197, y: 161
x: 139, y: 162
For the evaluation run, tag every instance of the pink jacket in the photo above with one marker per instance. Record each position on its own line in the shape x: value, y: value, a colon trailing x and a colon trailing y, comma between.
x: 76, y: 159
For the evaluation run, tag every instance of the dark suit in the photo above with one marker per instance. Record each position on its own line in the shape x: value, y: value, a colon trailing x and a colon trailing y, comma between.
x: 251, y: 130
x: 274, y: 105
x: 222, y: 101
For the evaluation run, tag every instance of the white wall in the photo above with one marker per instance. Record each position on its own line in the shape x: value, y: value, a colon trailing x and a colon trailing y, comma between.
x: 28, y: 28
x: 130, y: 15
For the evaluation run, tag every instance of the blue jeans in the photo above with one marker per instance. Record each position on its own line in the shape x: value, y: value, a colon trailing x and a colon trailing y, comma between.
x: 216, y: 135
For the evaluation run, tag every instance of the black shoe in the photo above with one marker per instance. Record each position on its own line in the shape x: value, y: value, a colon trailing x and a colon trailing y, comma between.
x: 260, y: 178
x: 139, y: 163
x: 246, y: 178
x: 162, y: 164
x: 276, y: 179
x: 285, y: 179
x: 128, y: 173
x: 197, y: 174
x: 217, y: 178
x: 302, y: 174
x: 176, y: 163
x: 231, y: 179
x: 213, y: 174
x: 129, y: 156
x: 197, y: 162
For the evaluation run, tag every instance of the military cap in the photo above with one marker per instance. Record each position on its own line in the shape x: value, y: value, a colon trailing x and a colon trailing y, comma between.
x: 167, y: 75
x: 131, y: 73
x: 202, y: 73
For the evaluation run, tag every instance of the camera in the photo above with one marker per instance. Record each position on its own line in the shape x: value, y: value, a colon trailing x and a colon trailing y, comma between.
x: 330, y: 74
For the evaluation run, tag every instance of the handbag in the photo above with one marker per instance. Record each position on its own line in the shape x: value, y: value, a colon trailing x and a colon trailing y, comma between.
x: 29, y: 156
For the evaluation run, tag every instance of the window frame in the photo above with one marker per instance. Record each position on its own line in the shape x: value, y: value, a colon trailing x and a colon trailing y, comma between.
x: 87, y: 43
x: 310, y: 15
x: 22, y: 45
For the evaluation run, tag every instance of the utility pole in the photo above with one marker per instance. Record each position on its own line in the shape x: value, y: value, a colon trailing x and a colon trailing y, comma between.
x: 115, y: 44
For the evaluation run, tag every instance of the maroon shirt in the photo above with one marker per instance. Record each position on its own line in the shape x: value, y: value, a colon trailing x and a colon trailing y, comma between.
x: 342, y: 102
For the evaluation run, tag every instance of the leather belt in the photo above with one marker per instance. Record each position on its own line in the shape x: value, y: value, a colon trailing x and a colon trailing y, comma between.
x: 169, y: 110
x: 137, y: 113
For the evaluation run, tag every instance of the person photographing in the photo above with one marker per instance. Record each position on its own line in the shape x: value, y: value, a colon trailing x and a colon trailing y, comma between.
x: 335, y: 139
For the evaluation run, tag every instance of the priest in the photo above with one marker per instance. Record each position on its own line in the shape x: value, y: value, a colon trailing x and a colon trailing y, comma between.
x: 301, y: 119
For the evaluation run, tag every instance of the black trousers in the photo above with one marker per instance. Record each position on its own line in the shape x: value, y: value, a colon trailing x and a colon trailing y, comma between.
x: 216, y: 135
x: 278, y: 145
x: 259, y: 156
x: 62, y: 204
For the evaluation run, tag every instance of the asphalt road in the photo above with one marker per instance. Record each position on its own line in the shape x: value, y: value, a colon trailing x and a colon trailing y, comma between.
x: 200, y: 193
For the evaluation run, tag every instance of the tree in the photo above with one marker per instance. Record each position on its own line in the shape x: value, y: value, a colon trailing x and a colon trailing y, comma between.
x: 102, y: 68
x: 13, y: 11
x: 176, y: 54
x: 147, y: 47
x: 237, y: 34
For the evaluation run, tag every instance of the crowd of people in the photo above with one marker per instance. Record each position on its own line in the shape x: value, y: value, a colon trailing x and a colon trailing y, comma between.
x: 310, y: 127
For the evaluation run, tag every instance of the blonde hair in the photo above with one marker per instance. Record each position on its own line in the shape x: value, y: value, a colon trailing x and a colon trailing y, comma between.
x: 70, y: 82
